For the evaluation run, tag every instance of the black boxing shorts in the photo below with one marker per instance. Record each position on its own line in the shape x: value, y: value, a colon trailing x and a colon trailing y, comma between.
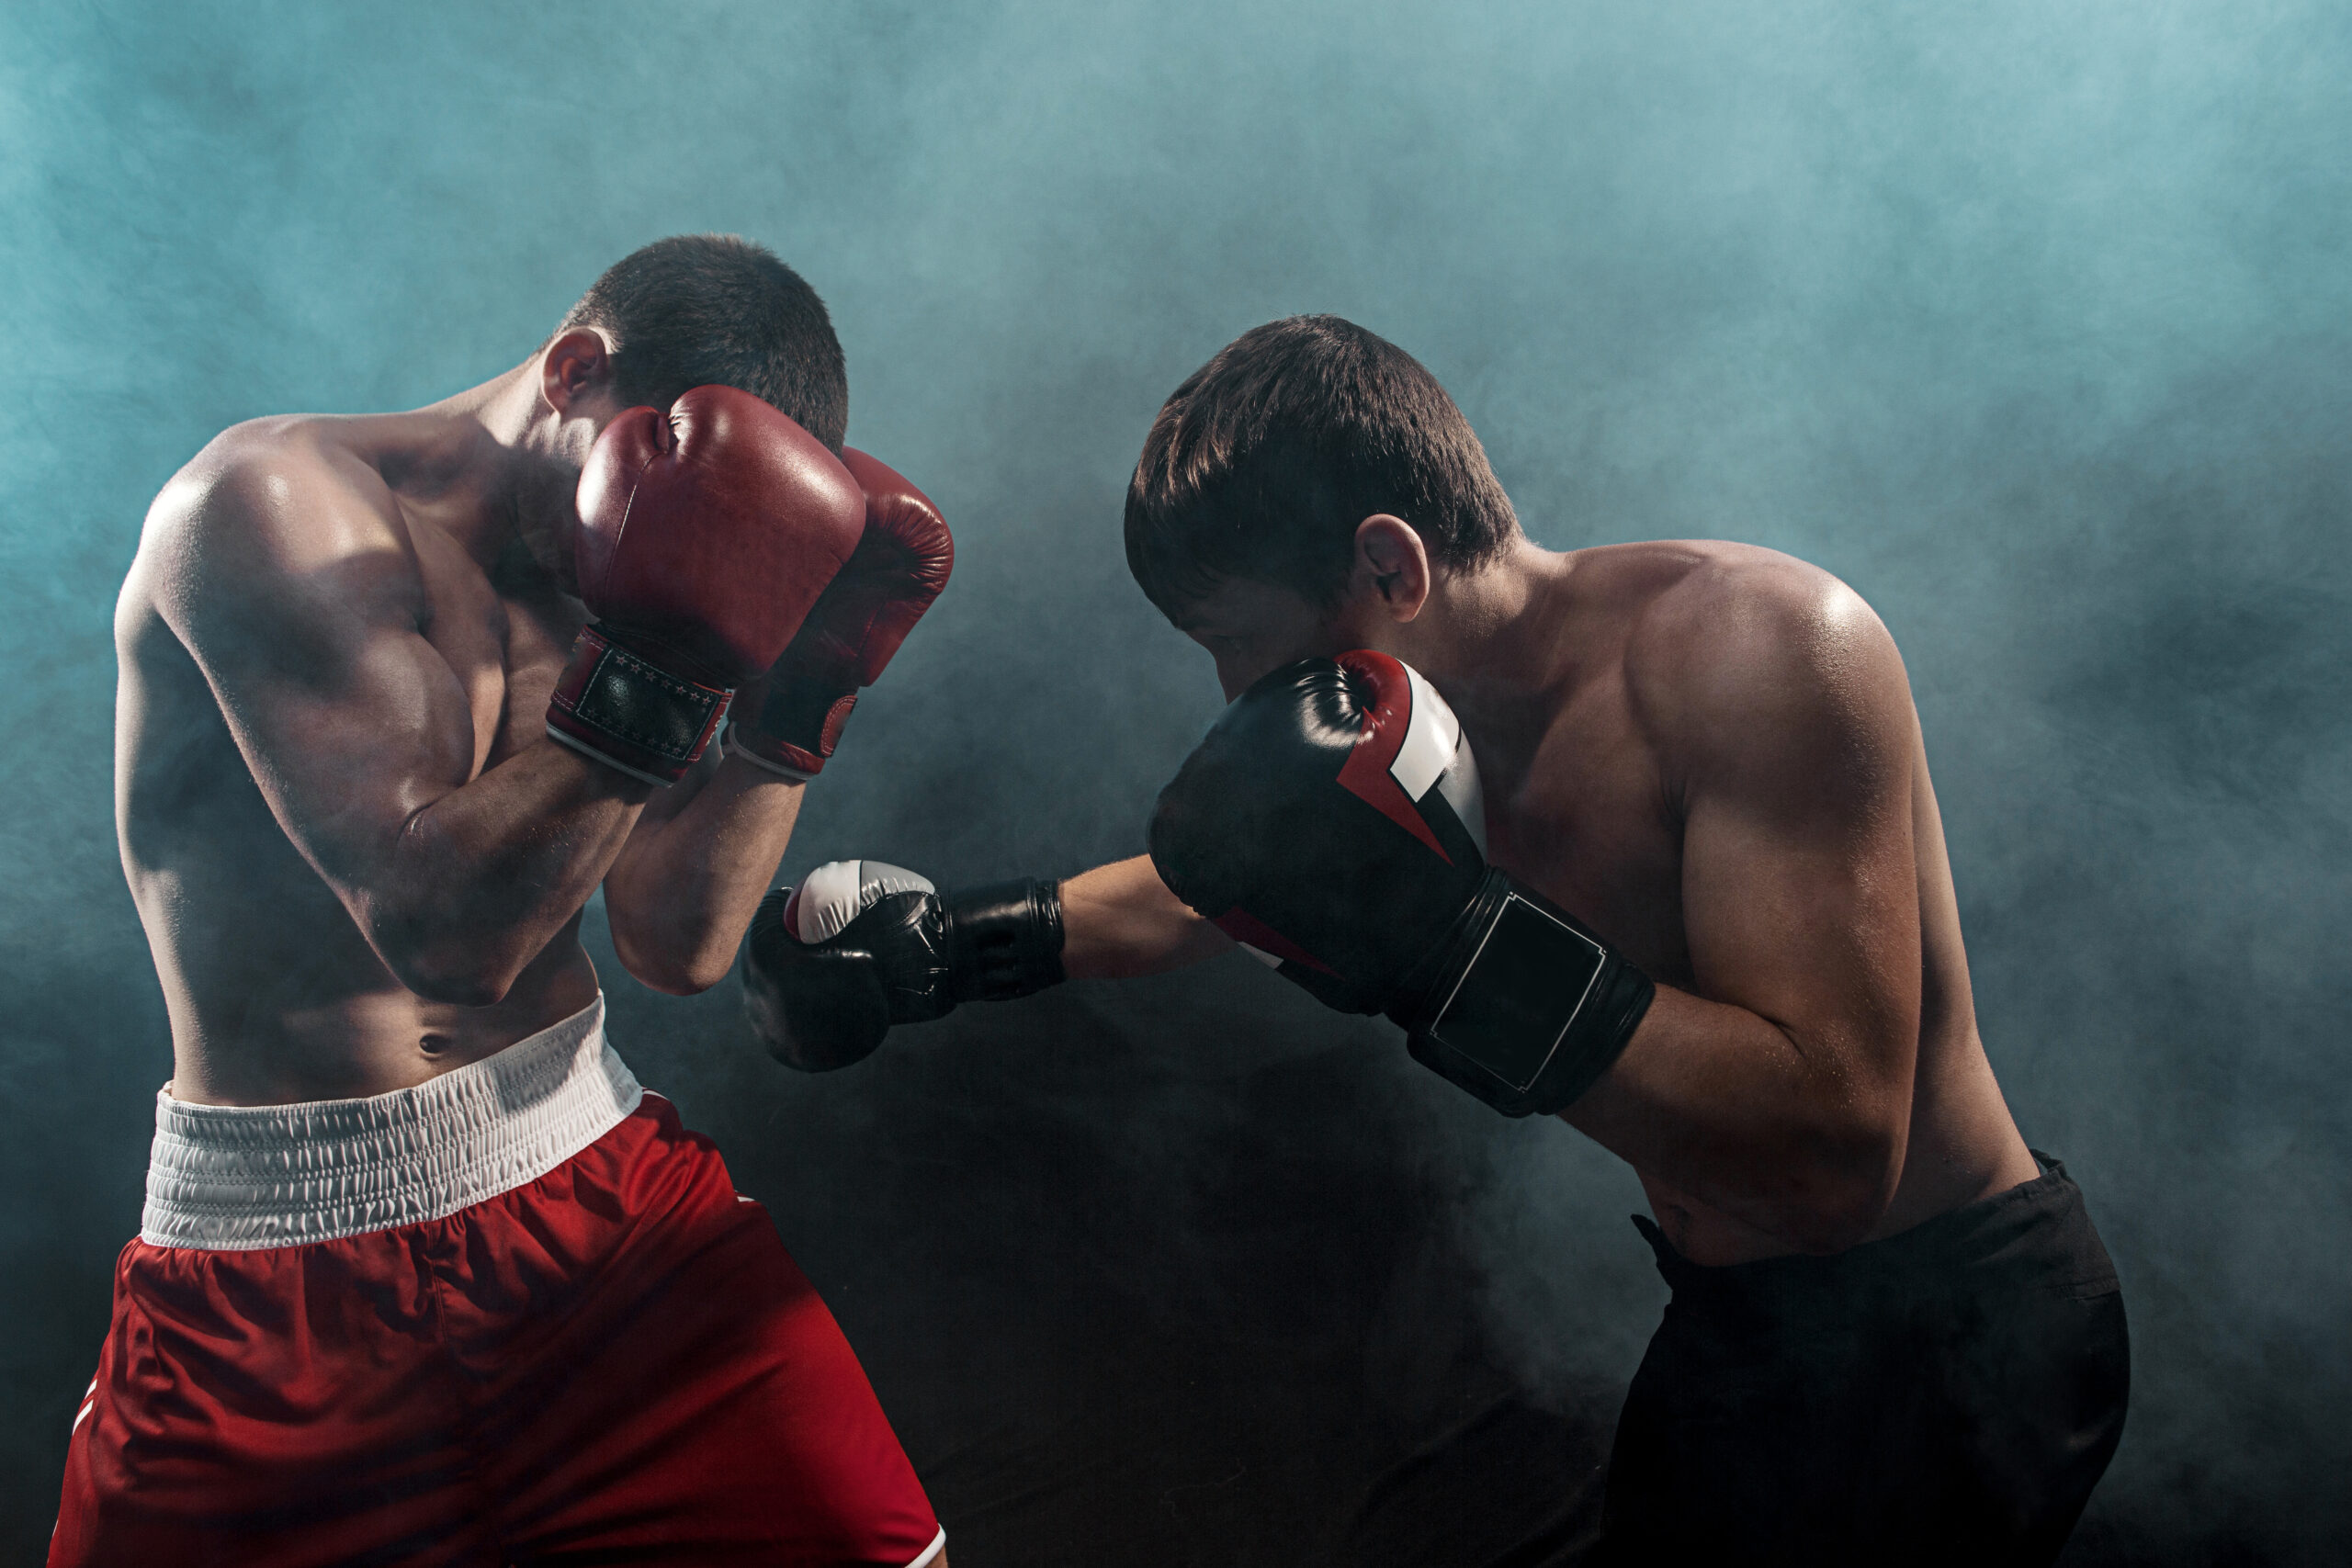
x: 1947, y: 1395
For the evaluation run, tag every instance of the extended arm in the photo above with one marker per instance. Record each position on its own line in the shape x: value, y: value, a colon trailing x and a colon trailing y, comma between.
x: 861, y: 945
x: 1119, y: 920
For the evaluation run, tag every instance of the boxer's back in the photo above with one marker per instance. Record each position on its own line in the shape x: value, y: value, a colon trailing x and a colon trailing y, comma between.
x: 275, y: 995
x: 1588, y: 806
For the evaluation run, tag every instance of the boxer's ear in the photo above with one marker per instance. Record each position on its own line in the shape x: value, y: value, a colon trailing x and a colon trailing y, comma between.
x: 1392, y: 561
x: 576, y: 368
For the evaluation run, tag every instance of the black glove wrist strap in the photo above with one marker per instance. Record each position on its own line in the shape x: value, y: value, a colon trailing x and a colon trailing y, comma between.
x: 1522, y: 1006
x: 616, y: 705
x: 1003, y: 940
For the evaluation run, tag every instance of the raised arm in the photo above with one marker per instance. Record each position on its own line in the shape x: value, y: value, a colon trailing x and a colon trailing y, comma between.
x: 290, y: 576
x: 686, y: 886
x: 682, y: 889
x: 1778, y: 1086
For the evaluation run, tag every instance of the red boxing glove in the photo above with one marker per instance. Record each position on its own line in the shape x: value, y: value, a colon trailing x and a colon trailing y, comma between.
x: 705, y: 536
x: 789, y: 723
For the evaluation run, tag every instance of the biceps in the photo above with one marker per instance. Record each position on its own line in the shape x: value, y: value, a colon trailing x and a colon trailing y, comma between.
x: 1812, y: 924
x: 348, y: 727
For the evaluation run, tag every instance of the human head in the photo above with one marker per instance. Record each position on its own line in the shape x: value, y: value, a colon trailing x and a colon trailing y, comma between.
x: 691, y: 310
x: 697, y: 309
x: 1263, y: 468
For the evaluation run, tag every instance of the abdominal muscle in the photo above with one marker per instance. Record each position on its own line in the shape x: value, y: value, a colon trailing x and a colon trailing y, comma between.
x: 366, y: 1042
x: 280, y: 1010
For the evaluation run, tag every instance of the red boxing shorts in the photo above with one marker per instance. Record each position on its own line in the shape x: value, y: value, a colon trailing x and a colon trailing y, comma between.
x: 514, y: 1315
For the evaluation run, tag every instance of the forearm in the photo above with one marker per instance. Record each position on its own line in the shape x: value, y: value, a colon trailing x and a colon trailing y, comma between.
x: 480, y: 880
x: 1120, y: 921
x: 862, y: 946
x: 1793, y: 1136
x: 682, y: 891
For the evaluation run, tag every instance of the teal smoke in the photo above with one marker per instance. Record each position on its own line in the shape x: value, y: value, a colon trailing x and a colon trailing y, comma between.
x: 2030, y: 320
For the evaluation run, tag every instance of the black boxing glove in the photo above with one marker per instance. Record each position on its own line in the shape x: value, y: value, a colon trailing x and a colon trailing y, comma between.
x: 829, y: 966
x: 1331, y: 822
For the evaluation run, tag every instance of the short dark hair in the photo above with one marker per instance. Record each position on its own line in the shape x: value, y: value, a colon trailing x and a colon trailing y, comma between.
x: 699, y: 310
x: 1262, y: 463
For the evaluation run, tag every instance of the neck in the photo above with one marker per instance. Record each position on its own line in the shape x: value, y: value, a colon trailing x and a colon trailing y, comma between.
x: 479, y: 472
x: 1490, y: 639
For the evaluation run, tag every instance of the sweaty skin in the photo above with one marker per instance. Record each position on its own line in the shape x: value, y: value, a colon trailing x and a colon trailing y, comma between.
x: 1708, y: 754
x: 359, y: 861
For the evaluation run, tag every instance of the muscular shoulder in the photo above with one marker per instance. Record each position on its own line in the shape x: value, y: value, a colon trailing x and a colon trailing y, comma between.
x: 269, y: 510
x: 1749, y: 662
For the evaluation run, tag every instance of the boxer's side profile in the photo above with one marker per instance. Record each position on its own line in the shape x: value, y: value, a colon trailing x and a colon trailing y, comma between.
x: 425, y: 1277
x: 1640, y: 836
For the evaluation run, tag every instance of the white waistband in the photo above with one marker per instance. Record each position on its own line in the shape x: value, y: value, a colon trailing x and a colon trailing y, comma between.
x: 239, y: 1178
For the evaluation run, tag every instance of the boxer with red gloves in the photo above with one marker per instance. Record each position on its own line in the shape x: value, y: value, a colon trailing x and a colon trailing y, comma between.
x: 1709, y: 923
x: 400, y: 694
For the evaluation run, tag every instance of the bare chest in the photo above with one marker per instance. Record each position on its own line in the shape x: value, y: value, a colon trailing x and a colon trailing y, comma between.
x: 506, y: 644
x: 1586, y: 817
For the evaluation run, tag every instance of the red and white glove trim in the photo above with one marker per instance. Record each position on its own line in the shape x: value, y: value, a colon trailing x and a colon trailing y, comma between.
x: 730, y: 745
x: 1396, y: 763
x: 1393, y: 766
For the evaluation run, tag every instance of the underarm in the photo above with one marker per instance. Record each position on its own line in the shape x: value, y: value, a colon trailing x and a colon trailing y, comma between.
x: 1120, y: 921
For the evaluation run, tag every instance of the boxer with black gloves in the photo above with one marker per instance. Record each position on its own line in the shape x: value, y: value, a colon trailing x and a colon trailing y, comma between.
x: 1718, y: 935
x: 424, y: 1275
x: 1704, y: 756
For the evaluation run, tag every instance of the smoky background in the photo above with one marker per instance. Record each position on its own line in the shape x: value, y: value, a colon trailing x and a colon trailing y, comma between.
x: 2029, y: 322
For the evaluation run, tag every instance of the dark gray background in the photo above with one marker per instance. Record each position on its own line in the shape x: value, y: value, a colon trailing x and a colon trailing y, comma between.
x: 2029, y: 320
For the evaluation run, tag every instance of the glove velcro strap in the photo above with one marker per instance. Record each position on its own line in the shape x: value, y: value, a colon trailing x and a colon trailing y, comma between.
x: 1004, y: 940
x: 624, y: 710
x: 1530, y: 1007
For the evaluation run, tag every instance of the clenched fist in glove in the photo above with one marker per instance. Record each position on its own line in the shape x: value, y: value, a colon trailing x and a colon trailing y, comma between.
x: 1331, y: 822
x: 705, y: 536
x: 788, y: 724
x: 829, y: 966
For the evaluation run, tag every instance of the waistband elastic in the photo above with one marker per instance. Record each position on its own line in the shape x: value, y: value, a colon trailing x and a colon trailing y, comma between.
x: 238, y: 1178
x: 2037, y: 1232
